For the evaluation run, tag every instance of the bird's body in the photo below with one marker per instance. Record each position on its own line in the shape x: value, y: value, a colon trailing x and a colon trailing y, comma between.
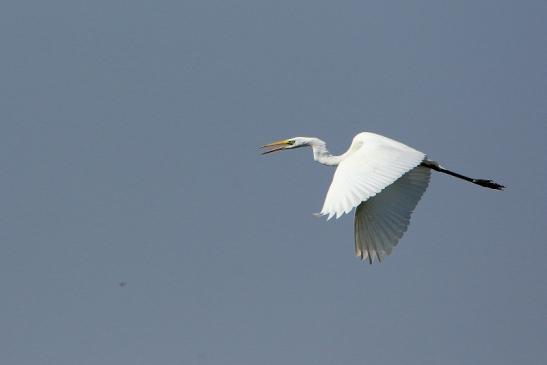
x: 380, y: 177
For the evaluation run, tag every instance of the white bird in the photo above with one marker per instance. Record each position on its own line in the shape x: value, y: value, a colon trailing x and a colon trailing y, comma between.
x: 382, y: 178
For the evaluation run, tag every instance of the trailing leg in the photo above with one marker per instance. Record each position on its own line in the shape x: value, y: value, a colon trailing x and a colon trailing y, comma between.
x: 482, y: 182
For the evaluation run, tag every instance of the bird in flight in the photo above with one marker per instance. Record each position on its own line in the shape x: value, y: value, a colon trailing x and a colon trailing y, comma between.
x: 380, y: 177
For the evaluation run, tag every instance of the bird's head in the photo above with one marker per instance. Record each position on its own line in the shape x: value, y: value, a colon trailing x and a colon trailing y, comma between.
x: 285, y: 144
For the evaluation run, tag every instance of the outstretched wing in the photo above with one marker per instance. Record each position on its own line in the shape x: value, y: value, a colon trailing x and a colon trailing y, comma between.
x: 372, y: 163
x: 383, y: 219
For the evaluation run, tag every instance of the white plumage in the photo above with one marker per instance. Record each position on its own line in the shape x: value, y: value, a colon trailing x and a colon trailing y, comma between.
x: 382, y: 220
x: 371, y: 163
x: 382, y: 178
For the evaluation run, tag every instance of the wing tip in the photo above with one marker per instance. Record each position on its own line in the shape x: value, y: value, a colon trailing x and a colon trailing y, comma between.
x: 367, y: 256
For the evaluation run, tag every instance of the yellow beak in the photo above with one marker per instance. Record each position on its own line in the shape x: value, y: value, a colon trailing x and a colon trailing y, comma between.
x: 275, y: 146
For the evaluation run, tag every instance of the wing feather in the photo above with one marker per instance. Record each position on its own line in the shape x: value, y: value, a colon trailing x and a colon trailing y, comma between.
x: 372, y: 163
x: 383, y: 219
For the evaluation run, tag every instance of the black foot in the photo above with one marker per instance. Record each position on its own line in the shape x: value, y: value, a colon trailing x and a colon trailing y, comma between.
x: 489, y: 184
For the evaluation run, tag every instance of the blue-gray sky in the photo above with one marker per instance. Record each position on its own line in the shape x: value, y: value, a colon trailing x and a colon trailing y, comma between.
x: 128, y: 153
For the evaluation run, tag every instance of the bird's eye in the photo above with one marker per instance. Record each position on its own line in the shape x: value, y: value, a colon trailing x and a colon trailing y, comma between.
x: 290, y: 142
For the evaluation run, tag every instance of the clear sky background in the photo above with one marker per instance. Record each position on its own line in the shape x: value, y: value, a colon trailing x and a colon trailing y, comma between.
x: 128, y: 154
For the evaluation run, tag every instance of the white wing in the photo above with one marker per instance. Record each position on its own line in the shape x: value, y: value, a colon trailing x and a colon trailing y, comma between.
x: 372, y: 163
x: 383, y: 219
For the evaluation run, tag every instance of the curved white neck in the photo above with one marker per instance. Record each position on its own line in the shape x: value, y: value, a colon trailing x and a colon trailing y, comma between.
x: 321, y: 154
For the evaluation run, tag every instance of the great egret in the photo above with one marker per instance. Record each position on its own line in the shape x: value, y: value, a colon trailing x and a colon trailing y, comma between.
x: 382, y: 178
